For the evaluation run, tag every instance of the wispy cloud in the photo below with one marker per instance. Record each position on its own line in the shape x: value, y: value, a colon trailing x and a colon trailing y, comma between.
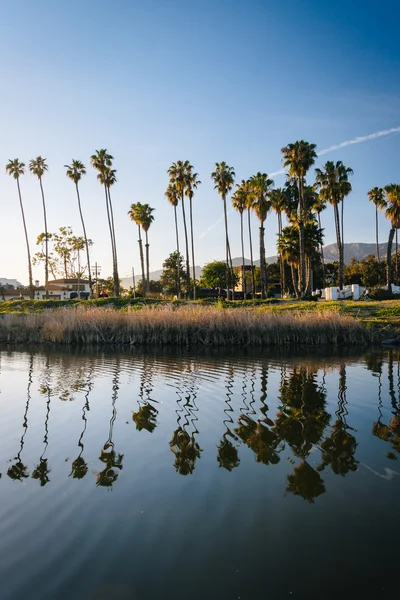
x: 357, y: 140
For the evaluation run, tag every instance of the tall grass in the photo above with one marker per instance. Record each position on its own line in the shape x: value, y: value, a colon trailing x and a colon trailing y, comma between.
x: 182, y: 326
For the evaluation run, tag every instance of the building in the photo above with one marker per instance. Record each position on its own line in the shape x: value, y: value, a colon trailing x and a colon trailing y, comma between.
x: 64, y: 289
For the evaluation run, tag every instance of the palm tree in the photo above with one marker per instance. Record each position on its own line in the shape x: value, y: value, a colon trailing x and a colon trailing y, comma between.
x: 239, y: 203
x: 38, y: 167
x: 249, y: 205
x: 392, y: 212
x: 261, y: 187
x: 102, y: 162
x: 278, y: 199
x: 178, y: 175
x: 135, y: 215
x: 300, y: 157
x: 15, y: 168
x: 224, y: 178
x: 377, y: 196
x: 318, y: 206
x: 192, y: 182
x: 75, y: 171
x: 146, y: 220
x: 334, y: 185
x: 172, y: 196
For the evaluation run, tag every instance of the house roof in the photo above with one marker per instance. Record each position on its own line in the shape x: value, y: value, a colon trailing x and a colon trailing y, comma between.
x: 66, y: 281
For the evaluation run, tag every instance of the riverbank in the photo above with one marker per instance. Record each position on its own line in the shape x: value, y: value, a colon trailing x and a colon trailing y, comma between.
x: 189, y: 325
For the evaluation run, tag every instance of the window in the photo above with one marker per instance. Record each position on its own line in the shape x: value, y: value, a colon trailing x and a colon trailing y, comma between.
x: 80, y: 287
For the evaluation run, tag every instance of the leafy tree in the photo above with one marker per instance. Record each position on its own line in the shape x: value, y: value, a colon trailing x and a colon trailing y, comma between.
x: 173, y: 277
x: 213, y: 275
x: 261, y: 186
x: 299, y: 157
x: 75, y: 172
x: 38, y: 167
x: 392, y: 212
x: 102, y: 162
x: 154, y: 287
x: 224, y: 178
x: 64, y: 257
x: 15, y: 168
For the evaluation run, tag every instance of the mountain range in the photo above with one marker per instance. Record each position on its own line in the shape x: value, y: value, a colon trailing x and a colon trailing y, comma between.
x: 357, y: 250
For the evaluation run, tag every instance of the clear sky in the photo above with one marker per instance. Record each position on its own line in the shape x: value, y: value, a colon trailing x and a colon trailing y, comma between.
x: 155, y: 81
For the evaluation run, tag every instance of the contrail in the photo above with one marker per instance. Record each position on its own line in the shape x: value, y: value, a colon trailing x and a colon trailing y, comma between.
x: 357, y: 140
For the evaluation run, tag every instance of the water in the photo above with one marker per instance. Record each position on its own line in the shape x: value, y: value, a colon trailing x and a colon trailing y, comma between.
x: 141, y: 476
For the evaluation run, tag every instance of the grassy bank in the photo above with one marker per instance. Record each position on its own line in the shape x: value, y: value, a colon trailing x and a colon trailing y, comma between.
x: 186, y: 325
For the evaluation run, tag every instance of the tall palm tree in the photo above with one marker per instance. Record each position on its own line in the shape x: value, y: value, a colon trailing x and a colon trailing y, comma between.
x: 278, y: 199
x: 261, y: 187
x: 135, y: 214
x: 239, y: 202
x: 172, y: 196
x: 377, y: 196
x: 192, y: 183
x: 102, y: 162
x: 224, y: 178
x: 392, y: 212
x: 75, y: 171
x: 178, y: 175
x: 299, y: 157
x: 317, y: 207
x: 146, y: 220
x: 38, y: 167
x: 334, y: 185
x: 15, y: 168
x: 344, y: 190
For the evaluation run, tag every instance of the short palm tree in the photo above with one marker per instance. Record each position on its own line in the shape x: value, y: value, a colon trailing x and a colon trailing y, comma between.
x: 75, y: 172
x: 172, y: 196
x: 299, y: 157
x: 15, y: 168
x: 178, y: 176
x: 146, y: 220
x: 38, y: 167
x: 135, y: 214
x: 377, y: 196
x: 102, y: 162
x: 192, y: 183
x: 261, y: 188
x: 278, y: 199
x: 334, y: 185
x: 224, y: 178
x: 392, y: 212
x: 239, y: 202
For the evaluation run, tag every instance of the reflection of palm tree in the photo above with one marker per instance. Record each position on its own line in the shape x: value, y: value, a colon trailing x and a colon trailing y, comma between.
x: 305, y: 482
x: 146, y: 416
x: 19, y: 471
x: 228, y: 456
x: 42, y: 470
x: 108, y: 456
x: 79, y: 466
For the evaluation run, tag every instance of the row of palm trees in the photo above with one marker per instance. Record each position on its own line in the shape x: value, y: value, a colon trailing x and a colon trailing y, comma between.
x: 142, y: 215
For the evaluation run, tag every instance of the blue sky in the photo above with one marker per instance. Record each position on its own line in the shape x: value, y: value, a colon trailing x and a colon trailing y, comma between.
x: 162, y: 80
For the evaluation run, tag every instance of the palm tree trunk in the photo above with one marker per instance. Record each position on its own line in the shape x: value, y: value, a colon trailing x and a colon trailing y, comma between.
x: 302, y: 268
x: 192, y: 240
x: 178, y: 283
x: 397, y: 261
x: 115, y: 263
x: 142, y: 261
x: 147, y: 265
x: 338, y: 244
x: 308, y: 275
x: 253, y: 280
x: 86, y: 242
x: 187, y: 249
x: 31, y: 292
x: 227, y: 250
x: 281, y: 261
x: 294, y: 278
x: 110, y: 230
x: 377, y: 235
x: 46, y: 264
x: 242, y: 241
x: 341, y: 266
x: 322, y: 253
x: 262, y: 262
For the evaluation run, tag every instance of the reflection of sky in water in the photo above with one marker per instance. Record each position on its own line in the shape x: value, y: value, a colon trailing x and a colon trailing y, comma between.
x: 214, y: 471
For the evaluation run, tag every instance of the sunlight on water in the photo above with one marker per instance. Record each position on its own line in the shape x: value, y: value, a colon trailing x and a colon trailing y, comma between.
x: 161, y: 475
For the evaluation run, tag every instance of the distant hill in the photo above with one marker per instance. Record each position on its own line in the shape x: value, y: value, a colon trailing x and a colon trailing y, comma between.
x: 357, y: 250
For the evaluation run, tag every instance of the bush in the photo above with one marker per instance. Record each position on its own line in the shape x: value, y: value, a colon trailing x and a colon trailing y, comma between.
x: 310, y: 298
x: 380, y: 294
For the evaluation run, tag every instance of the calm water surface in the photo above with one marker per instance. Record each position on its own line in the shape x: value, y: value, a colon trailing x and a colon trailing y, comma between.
x: 150, y: 476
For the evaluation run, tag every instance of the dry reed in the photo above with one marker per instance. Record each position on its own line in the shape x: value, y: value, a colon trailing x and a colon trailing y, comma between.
x: 183, y: 326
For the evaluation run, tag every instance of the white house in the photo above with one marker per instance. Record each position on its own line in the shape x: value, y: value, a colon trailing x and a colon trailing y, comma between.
x: 63, y: 289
